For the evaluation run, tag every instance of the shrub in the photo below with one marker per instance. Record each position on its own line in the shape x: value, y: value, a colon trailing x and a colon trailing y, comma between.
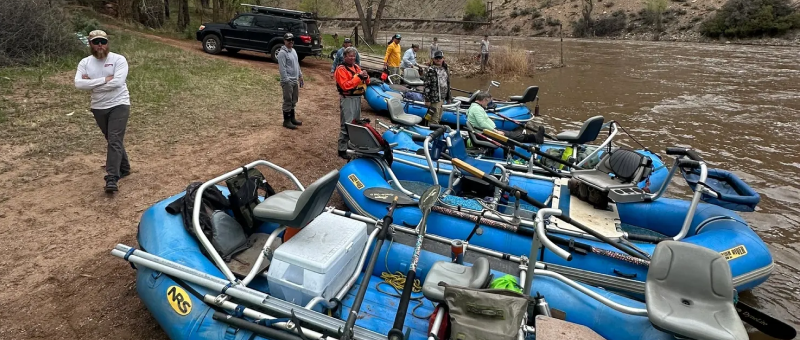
x: 748, y: 18
x: 553, y: 21
x: 475, y: 10
x: 610, y: 25
x: 538, y: 23
x: 33, y: 31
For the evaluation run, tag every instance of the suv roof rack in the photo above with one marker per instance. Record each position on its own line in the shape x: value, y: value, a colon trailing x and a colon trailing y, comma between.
x: 279, y: 11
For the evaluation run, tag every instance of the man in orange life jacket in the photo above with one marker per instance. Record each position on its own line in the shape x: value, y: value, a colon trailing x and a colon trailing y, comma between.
x: 351, y: 82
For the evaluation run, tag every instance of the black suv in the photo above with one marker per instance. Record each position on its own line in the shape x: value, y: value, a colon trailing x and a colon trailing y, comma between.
x: 262, y: 30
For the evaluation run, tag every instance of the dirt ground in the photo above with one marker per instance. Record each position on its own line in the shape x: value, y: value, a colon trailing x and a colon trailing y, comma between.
x: 57, y: 227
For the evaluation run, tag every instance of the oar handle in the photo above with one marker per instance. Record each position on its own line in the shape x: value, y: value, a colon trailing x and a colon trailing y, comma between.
x: 491, y: 179
x: 402, y: 308
x: 388, y: 219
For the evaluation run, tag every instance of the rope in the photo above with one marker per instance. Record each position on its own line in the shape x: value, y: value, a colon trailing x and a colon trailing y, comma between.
x: 632, y: 137
x: 397, y: 281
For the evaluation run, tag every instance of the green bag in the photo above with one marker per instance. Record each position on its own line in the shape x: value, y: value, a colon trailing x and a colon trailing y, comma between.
x: 484, y: 314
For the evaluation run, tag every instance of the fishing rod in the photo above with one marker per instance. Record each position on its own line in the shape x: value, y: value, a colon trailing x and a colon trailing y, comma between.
x: 532, y: 149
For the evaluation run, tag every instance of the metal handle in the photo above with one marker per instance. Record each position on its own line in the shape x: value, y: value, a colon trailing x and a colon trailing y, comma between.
x: 541, y: 216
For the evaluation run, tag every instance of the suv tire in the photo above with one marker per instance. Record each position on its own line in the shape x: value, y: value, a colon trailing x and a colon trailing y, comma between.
x: 273, y: 52
x: 212, y: 44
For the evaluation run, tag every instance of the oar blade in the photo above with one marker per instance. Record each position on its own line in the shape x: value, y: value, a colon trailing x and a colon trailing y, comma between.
x: 386, y: 195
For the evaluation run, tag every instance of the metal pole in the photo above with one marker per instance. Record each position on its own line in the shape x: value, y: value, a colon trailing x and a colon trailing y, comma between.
x: 561, y: 33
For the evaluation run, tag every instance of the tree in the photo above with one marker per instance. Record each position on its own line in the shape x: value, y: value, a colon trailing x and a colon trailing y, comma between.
x: 588, y: 5
x: 323, y: 8
x: 148, y: 12
x: 183, y: 15
x: 369, y: 25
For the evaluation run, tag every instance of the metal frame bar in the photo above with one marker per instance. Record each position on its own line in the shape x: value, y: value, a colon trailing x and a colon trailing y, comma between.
x: 608, y: 140
x: 198, y: 201
x: 249, y: 295
x: 265, y: 252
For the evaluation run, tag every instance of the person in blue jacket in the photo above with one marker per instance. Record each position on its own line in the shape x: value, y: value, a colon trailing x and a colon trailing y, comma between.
x: 338, y: 59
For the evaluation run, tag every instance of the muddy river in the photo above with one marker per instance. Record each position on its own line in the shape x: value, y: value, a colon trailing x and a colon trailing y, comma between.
x: 739, y: 106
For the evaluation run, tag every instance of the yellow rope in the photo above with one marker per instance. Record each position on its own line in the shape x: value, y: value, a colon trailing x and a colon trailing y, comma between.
x: 398, y: 281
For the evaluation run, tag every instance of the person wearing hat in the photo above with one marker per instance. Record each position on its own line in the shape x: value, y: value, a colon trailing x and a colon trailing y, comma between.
x: 338, y: 59
x: 291, y: 80
x: 391, y: 60
x: 351, y: 82
x: 437, y: 88
x: 104, y: 73
x: 410, y: 57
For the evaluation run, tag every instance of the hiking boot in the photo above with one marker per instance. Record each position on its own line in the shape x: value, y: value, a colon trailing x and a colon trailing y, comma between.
x: 295, y: 121
x: 287, y: 121
x: 111, y: 184
x: 540, y: 135
x: 124, y: 173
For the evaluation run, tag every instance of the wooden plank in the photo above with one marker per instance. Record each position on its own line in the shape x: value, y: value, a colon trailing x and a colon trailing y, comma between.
x: 604, y: 222
x: 554, y: 329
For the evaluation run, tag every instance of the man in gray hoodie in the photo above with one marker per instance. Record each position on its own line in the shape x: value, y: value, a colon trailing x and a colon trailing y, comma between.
x: 291, y: 77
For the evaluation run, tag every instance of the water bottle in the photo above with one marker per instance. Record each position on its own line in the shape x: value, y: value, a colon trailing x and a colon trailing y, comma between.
x: 540, y: 305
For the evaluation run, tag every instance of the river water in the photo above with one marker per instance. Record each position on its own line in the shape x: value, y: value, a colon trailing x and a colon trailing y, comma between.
x: 739, y: 106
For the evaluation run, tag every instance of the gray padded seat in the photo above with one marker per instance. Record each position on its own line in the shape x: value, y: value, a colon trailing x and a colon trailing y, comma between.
x: 395, y: 107
x: 398, y: 87
x: 624, y: 162
x: 411, y: 77
x: 689, y: 293
x: 588, y: 132
x: 528, y: 96
x: 294, y: 208
x: 455, y: 274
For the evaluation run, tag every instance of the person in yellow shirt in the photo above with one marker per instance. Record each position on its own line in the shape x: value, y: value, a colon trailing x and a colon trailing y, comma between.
x: 391, y: 60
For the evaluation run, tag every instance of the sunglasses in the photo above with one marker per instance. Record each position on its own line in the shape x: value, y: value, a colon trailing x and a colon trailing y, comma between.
x: 99, y: 41
x: 439, y: 58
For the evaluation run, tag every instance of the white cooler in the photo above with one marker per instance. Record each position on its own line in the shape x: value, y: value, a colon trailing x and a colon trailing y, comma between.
x: 318, y: 260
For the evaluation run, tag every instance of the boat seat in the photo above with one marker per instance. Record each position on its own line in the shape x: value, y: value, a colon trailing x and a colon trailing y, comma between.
x: 411, y: 77
x: 477, y: 141
x: 689, y: 293
x: 455, y: 274
x: 618, y: 172
x: 529, y: 95
x: 398, y: 87
x: 294, y: 208
x: 588, y: 132
x: 397, y: 114
x: 466, y: 101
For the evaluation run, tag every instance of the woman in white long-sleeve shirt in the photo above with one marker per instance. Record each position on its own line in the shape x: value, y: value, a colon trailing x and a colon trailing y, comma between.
x: 104, y: 73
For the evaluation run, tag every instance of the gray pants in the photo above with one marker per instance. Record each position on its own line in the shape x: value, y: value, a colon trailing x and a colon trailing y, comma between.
x: 350, y: 109
x: 113, y: 122
x: 290, y: 92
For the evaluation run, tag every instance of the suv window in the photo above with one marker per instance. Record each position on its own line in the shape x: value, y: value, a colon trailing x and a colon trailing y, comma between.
x: 312, y: 27
x: 265, y: 22
x: 244, y: 21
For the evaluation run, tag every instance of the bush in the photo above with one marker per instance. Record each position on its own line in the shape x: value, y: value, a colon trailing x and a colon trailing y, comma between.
x: 32, y: 32
x: 84, y: 25
x: 553, y: 21
x: 538, y: 23
x: 475, y: 10
x: 749, y: 18
x: 610, y: 25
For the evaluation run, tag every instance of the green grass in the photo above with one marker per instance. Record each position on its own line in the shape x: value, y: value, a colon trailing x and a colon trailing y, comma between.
x: 175, y: 95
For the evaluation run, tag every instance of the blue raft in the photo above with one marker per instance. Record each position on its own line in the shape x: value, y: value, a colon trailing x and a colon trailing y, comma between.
x: 163, y: 235
x: 376, y: 96
x: 711, y: 226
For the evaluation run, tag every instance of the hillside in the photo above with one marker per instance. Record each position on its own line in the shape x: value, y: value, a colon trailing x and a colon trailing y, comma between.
x: 682, y: 18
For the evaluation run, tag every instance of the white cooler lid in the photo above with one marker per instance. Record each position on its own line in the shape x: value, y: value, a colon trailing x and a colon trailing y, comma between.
x: 321, y: 242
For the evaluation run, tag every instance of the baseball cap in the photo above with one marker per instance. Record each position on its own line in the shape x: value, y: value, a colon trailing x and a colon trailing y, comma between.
x: 397, y: 36
x: 438, y: 54
x: 288, y: 36
x: 414, y: 46
x: 347, y: 40
x: 96, y: 34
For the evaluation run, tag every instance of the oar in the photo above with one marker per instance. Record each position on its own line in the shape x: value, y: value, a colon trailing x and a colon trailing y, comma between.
x: 523, y: 195
x: 521, y: 123
x: 535, y: 150
x: 362, y: 290
x: 426, y: 202
x: 387, y: 195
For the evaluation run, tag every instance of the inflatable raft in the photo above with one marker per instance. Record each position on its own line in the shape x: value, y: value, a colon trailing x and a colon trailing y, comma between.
x: 308, y: 284
x: 634, y: 220
x: 380, y: 95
